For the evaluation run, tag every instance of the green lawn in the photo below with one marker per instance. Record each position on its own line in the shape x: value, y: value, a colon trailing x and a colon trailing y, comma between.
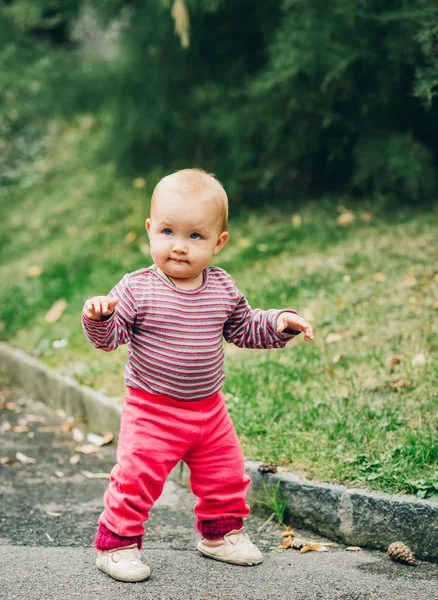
x: 357, y: 406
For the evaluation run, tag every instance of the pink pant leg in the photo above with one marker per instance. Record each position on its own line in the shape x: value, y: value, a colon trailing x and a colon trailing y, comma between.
x: 152, y: 440
x: 217, y: 469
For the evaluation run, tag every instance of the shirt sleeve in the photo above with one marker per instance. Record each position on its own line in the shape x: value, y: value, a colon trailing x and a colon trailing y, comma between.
x: 108, y: 334
x: 256, y: 328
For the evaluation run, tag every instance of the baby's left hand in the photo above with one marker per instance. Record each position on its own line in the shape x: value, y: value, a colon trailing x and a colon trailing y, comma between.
x: 288, y: 320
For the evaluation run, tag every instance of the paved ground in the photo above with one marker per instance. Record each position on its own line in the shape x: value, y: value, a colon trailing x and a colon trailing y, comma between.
x: 48, y: 516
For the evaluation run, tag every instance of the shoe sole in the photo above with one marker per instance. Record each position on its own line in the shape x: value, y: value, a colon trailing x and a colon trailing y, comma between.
x: 127, y: 580
x: 230, y: 562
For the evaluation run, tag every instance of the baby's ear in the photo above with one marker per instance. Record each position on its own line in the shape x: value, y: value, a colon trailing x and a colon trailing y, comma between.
x: 221, y: 241
x: 148, y: 225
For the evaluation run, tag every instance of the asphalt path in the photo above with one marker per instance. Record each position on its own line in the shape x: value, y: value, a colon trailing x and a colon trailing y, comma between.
x: 48, y: 515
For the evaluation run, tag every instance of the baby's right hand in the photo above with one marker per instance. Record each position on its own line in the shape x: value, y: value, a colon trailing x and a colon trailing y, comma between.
x: 98, y: 308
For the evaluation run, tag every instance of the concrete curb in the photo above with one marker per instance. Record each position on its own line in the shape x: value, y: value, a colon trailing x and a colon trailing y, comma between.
x: 353, y: 516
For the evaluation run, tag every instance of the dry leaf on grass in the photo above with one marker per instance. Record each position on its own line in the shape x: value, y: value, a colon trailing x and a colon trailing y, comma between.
x: 55, y: 313
x: 10, y: 406
x: 296, y: 221
x: 49, y: 538
x: 90, y: 475
x: 26, y: 460
x: 287, y: 543
x: 53, y: 514
x: 353, y: 549
x: 59, y: 473
x: 73, y: 460
x: 6, y: 460
x: 346, y: 218
x: 392, y: 361
x: 34, y: 271
x: 333, y: 337
x: 418, y: 360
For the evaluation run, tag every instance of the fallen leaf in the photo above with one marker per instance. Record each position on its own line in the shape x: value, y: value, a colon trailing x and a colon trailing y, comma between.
x: 55, y: 313
x: 90, y: 475
x: 330, y: 371
x: 131, y: 236
x: 87, y: 448
x: 398, y: 384
x: 53, y: 514
x: 333, y: 338
x: 353, y: 549
x: 108, y: 437
x: 49, y: 538
x: 296, y: 221
x: 287, y: 533
x: 20, y: 429
x: 10, y: 406
x: 35, y: 419
x: 73, y: 460
x: 5, y: 426
x: 314, y: 548
x: 287, y: 543
x: 346, y: 218
x: 78, y: 435
x: 6, y: 460
x: 59, y: 473
x: 366, y: 217
x: 418, y: 360
x: 379, y: 277
x: 58, y: 344
x: 27, y: 460
x: 66, y: 427
x: 34, y: 271
x: 145, y: 249
x: 139, y: 182
x: 47, y: 428
x: 392, y: 361
x: 410, y: 279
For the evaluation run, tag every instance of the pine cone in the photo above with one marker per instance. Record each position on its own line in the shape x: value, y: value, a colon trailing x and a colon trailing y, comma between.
x: 267, y: 468
x: 401, y: 553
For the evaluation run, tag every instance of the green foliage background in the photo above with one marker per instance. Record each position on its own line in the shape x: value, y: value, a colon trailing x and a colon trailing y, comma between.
x: 280, y: 99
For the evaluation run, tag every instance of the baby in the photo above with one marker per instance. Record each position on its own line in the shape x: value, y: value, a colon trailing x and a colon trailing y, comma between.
x: 174, y: 315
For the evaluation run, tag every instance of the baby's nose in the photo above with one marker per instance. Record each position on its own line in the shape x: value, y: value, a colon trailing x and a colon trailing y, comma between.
x: 179, y: 246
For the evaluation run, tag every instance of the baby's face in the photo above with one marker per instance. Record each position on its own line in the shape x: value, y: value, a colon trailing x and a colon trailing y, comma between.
x: 184, y: 233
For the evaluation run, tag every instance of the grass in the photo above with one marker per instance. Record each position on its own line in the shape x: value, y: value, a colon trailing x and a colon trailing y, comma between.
x: 358, y: 406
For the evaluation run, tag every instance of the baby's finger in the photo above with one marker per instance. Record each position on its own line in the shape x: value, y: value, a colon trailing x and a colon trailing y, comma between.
x: 97, y: 307
x: 113, y: 303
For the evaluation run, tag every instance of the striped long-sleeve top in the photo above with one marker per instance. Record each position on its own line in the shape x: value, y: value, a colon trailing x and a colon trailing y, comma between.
x: 174, y: 336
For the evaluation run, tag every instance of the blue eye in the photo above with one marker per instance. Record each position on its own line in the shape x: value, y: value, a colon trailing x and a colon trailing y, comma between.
x: 167, y: 231
x: 195, y: 236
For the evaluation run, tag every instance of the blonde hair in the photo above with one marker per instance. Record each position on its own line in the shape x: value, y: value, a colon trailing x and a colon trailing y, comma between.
x: 189, y: 181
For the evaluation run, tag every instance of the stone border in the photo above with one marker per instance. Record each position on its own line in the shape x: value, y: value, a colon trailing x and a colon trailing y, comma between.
x: 353, y: 516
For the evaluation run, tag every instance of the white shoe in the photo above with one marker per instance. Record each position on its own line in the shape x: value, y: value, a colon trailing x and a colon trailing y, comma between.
x: 123, y: 564
x: 235, y: 547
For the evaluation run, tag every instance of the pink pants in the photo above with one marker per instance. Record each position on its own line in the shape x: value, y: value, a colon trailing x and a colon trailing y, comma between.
x: 156, y: 432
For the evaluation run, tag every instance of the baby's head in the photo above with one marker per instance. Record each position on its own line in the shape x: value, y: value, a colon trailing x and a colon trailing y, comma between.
x: 188, y: 222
